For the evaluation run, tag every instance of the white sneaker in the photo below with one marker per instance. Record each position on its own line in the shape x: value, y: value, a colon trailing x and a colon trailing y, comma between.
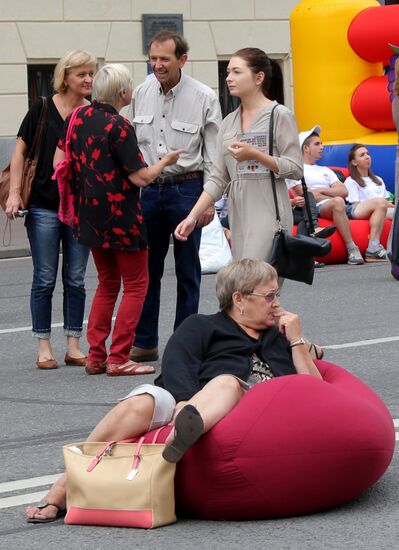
x: 354, y: 257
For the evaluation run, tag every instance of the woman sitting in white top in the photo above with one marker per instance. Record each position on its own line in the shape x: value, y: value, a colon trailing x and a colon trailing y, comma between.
x: 362, y: 184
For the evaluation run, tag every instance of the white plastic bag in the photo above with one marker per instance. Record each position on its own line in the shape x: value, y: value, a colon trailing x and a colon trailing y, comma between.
x: 214, y: 251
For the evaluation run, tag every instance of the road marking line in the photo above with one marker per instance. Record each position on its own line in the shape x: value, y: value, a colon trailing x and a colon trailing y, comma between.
x: 19, y: 484
x: 363, y: 343
x: 20, y: 500
x: 24, y: 329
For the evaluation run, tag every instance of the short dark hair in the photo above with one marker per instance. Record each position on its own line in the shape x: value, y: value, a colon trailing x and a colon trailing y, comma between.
x: 307, y: 140
x: 181, y: 46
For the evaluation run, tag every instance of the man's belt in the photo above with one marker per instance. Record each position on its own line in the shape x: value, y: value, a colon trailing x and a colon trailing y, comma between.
x: 179, y: 177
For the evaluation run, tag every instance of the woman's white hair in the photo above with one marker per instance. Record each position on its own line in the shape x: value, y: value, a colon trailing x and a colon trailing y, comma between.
x: 110, y: 81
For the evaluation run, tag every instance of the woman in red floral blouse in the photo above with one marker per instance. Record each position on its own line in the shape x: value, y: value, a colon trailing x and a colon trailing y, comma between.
x: 109, y: 170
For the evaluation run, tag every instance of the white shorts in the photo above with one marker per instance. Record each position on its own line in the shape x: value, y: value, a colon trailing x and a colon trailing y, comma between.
x: 164, y: 404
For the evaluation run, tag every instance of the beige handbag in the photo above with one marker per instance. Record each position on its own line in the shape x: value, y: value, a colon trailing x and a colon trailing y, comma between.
x: 120, y: 484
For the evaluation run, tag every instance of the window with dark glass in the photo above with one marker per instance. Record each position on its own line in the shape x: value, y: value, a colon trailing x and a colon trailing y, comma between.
x: 40, y: 81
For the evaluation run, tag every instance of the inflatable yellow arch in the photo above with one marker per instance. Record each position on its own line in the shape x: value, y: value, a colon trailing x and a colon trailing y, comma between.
x: 339, y: 51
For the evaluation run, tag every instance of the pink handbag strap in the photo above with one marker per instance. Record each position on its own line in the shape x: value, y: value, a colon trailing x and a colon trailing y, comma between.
x: 68, y: 155
x: 136, y: 457
x: 69, y: 131
x: 107, y: 447
x: 159, y: 430
x: 153, y: 440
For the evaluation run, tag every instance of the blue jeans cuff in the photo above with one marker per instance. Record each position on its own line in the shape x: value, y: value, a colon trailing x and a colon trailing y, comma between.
x: 42, y: 335
x: 76, y: 333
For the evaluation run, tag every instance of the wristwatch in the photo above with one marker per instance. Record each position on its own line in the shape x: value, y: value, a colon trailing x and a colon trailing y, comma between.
x: 300, y: 342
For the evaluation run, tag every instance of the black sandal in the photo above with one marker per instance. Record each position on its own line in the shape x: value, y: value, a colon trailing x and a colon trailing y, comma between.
x: 314, y: 351
x: 43, y: 504
x: 189, y: 427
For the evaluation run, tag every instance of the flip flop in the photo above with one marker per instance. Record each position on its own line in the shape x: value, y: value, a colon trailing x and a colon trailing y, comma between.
x: 316, y: 351
x: 189, y: 427
x: 130, y: 368
x: 43, y: 504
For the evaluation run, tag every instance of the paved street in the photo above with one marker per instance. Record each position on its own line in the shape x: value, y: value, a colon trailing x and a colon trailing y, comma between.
x: 353, y: 311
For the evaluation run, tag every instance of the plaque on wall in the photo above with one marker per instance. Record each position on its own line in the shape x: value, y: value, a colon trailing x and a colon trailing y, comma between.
x: 154, y: 23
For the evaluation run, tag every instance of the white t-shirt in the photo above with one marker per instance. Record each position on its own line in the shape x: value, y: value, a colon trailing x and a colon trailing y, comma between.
x: 316, y: 176
x: 292, y: 183
x: 371, y: 191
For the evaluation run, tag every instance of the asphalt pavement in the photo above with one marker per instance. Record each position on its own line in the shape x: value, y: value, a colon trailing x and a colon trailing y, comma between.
x: 351, y: 310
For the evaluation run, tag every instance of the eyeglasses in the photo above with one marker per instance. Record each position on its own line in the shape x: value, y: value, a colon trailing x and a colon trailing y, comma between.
x: 270, y: 297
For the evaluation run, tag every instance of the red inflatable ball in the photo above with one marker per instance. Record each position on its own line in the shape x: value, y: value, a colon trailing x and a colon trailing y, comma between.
x: 294, y: 445
x: 360, y: 230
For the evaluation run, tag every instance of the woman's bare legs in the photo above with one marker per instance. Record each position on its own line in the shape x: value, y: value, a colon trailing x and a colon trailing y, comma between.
x: 73, y: 347
x: 217, y: 399
x: 201, y: 413
x: 44, y: 350
x: 375, y: 211
x: 132, y: 417
x: 129, y: 418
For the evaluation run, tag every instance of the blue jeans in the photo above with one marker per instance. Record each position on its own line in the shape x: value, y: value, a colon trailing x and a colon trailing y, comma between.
x: 164, y: 206
x: 45, y: 233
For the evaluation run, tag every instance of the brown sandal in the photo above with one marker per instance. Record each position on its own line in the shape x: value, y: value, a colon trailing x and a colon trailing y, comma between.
x: 43, y: 504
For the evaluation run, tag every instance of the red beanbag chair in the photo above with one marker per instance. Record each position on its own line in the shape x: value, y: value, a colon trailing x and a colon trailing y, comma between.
x: 293, y: 445
x: 360, y: 231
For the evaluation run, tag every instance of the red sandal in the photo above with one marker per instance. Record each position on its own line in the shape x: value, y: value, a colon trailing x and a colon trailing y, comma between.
x: 130, y: 368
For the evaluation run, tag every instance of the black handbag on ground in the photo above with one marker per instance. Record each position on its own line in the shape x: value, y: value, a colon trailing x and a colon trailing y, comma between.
x: 293, y: 256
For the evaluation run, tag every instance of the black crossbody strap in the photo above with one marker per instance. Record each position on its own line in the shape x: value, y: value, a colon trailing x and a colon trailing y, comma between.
x: 272, y: 176
x: 34, y: 150
x: 308, y: 210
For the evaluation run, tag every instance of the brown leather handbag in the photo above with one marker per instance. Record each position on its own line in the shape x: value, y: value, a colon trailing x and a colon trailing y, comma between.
x: 30, y: 165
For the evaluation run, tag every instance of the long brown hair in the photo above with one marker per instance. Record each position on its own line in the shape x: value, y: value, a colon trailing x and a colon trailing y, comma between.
x: 396, y: 83
x: 353, y: 170
x: 258, y: 61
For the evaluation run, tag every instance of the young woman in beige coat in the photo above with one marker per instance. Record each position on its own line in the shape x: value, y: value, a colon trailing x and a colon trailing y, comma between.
x: 242, y: 169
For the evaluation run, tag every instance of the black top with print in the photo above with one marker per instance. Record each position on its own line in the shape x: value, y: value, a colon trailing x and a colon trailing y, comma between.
x: 107, y: 204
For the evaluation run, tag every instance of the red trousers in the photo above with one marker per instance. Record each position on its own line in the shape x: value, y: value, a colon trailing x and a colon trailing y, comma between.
x: 115, y: 267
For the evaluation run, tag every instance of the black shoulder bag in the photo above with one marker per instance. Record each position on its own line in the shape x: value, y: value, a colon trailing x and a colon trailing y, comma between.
x: 293, y: 256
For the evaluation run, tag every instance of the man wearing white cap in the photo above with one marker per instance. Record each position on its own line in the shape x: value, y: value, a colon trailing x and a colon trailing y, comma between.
x: 330, y: 195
